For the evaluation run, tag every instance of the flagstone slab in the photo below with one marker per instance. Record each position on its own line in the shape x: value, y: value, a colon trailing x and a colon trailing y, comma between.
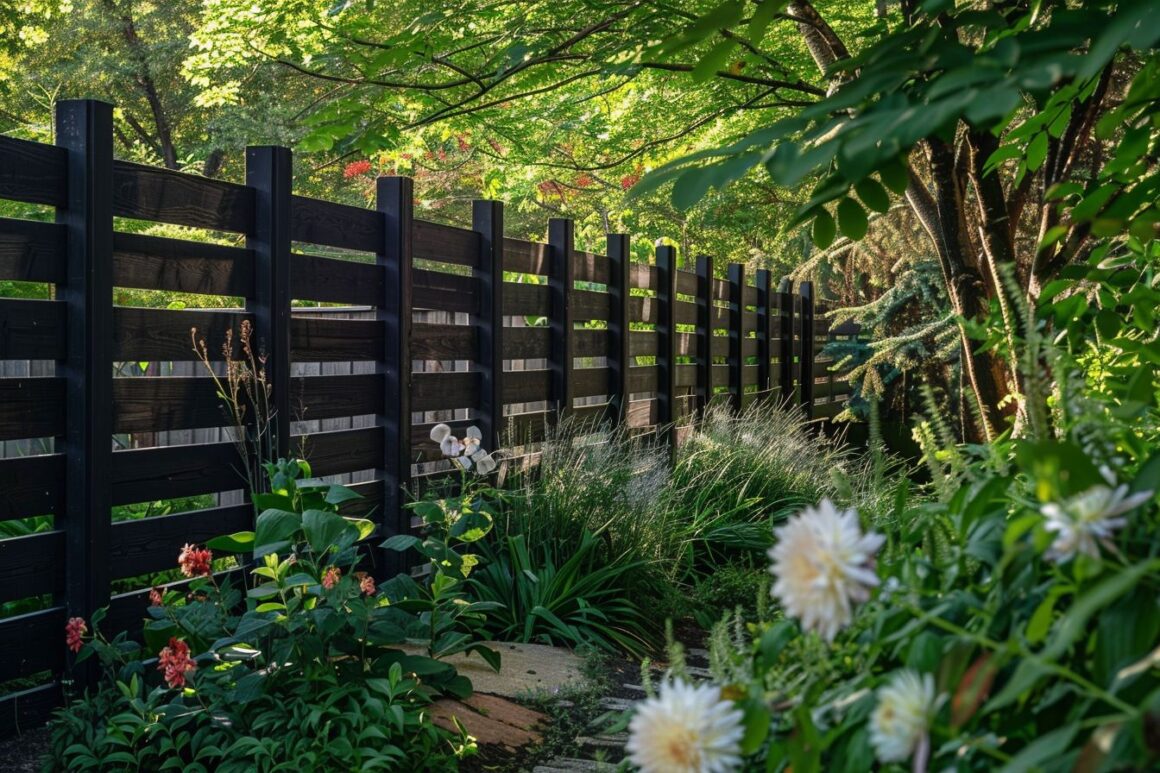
x: 524, y: 669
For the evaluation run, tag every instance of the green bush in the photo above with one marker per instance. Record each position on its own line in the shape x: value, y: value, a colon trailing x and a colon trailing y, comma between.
x: 308, y: 666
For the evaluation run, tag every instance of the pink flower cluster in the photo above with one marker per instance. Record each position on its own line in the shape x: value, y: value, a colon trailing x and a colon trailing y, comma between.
x: 175, y: 662
x: 195, y: 561
x: 366, y: 583
x: 356, y: 168
x: 331, y: 577
x: 74, y: 633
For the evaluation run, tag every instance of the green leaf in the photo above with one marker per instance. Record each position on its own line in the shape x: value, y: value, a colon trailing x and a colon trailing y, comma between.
x: 872, y: 194
x: 713, y: 61
x: 895, y: 176
x: 762, y: 16
x: 1037, y: 151
x: 275, y: 527
x: 1074, y: 622
x: 756, y: 721
x: 851, y: 219
x: 238, y: 542
x: 824, y: 230
x: 401, y: 542
x: 323, y: 529
x: 336, y: 495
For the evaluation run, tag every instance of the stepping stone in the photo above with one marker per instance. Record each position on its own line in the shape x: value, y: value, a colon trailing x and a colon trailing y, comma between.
x: 524, y: 669
x: 616, y: 704
x: 492, y: 720
x: 572, y: 765
x: 616, y: 741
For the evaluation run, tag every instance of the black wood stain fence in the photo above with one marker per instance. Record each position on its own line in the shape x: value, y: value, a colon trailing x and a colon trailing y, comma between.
x: 645, y: 344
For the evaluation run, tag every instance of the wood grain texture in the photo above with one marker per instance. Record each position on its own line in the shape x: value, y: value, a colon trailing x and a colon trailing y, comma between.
x: 31, y: 251
x: 444, y: 391
x: 445, y: 243
x: 31, y: 407
x: 150, y: 474
x: 315, y: 221
x: 29, y: 565
x: 31, y: 485
x: 152, y: 544
x: 521, y: 300
x: 30, y: 643
x: 523, y: 257
x: 32, y: 172
x: 32, y: 330
x: 443, y: 342
x: 441, y: 291
x: 339, y: 451
x: 164, y: 334
x: 325, y: 339
x: 329, y: 280
x: 177, y: 265
x: 163, y: 195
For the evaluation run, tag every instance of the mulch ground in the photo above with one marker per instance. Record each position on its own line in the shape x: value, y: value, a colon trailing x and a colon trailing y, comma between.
x: 23, y: 753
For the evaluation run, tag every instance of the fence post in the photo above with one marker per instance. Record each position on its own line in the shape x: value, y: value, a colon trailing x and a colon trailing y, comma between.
x: 487, y: 221
x: 736, y: 335
x: 269, y: 171
x: 704, y: 332
x: 85, y: 129
x: 395, y: 199
x: 807, y: 359
x: 764, y: 288
x: 785, y: 342
x: 560, y: 283
x: 619, y: 359
x: 666, y: 338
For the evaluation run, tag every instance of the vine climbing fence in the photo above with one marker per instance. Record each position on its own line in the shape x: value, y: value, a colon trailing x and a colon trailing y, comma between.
x: 103, y: 406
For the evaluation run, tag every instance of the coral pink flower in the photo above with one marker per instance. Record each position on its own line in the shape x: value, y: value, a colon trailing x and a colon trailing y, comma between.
x: 628, y: 181
x: 155, y: 598
x: 74, y: 631
x: 366, y: 583
x: 356, y: 168
x: 175, y: 662
x: 194, y: 561
x: 330, y: 577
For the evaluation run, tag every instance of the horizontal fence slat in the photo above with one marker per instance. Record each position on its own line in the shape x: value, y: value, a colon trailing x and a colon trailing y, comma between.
x: 33, y: 172
x: 445, y: 243
x: 643, y: 276
x: 315, y: 221
x: 31, y: 485
x: 444, y: 342
x: 31, y: 251
x: 590, y: 267
x: 526, y: 343
x: 172, y: 403
x: 591, y: 381
x: 28, y: 565
x: 328, y: 280
x: 525, y: 300
x: 439, y: 291
x: 151, y: 545
x: 165, y: 334
x: 163, y: 195
x: 444, y: 391
x: 31, y: 330
x: 686, y: 283
x: 526, y: 386
x: 31, y: 708
x: 178, y: 265
x: 339, y: 451
x: 32, y: 642
x: 523, y: 257
x: 31, y: 407
x: 326, y: 339
x: 151, y: 474
x: 589, y: 305
x: 590, y: 343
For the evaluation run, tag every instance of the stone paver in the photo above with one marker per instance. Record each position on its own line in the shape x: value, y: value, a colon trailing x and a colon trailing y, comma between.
x: 524, y: 668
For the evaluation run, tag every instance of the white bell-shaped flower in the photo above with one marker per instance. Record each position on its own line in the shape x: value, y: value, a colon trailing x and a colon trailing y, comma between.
x: 450, y: 446
x: 440, y: 432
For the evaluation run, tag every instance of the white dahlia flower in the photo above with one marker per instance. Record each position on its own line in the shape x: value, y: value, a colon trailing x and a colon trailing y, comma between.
x: 686, y: 729
x: 824, y: 565
x: 1081, y: 522
x: 899, y: 724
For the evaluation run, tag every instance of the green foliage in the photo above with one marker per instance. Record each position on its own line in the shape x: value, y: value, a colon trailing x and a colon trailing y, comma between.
x: 306, y: 665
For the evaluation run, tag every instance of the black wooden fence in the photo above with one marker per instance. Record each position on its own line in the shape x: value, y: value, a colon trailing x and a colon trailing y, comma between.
x: 646, y: 344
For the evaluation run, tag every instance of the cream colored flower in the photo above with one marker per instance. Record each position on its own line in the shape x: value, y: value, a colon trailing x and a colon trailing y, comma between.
x: 1081, y: 522
x: 686, y: 729
x: 899, y: 724
x: 823, y: 565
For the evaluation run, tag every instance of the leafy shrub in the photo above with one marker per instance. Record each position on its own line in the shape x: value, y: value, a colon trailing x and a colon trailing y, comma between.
x: 552, y: 597
x: 310, y: 669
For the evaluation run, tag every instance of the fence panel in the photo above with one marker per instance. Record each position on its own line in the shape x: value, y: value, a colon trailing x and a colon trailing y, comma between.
x: 105, y: 410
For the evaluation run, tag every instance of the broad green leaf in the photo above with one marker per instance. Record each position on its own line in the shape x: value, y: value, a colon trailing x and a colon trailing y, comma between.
x: 851, y: 219
x: 238, y: 542
x: 824, y: 230
x: 872, y: 194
